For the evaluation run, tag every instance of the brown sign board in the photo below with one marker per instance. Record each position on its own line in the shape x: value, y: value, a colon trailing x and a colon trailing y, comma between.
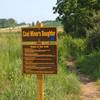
x: 39, y: 50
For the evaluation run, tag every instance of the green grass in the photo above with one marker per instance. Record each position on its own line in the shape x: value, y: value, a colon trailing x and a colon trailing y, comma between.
x: 15, y: 86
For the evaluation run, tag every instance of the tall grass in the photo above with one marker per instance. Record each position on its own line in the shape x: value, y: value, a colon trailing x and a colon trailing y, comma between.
x: 16, y: 86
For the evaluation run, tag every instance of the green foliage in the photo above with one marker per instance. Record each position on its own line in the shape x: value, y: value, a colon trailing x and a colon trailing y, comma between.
x: 77, y: 15
x: 97, y: 20
x: 4, y: 23
x: 79, y: 48
x: 93, y: 40
x: 74, y: 47
x: 61, y: 35
x: 12, y: 22
x: 61, y: 52
x: 90, y: 65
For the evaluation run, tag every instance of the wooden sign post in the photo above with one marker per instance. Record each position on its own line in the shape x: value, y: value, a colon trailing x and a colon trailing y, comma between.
x: 39, y: 53
x: 40, y: 86
x: 40, y: 78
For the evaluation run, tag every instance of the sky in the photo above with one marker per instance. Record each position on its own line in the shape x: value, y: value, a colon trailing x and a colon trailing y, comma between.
x: 27, y: 10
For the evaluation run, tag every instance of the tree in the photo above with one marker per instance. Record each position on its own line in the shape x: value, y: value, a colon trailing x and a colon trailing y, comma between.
x: 77, y: 15
x: 12, y: 22
x: 4, y: 23
x: 22, y: 23
x: 33, y: 23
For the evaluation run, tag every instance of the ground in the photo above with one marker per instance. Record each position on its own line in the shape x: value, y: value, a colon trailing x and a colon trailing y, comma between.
x: 89, y: 89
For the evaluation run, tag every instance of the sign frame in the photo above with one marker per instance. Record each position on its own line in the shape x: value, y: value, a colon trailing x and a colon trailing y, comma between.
x: 40, y: 43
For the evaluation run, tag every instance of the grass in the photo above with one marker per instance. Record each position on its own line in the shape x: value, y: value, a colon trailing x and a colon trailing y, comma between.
x: 15, y: 86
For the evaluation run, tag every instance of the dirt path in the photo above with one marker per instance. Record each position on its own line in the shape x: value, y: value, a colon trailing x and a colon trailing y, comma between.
x: 89, y: 89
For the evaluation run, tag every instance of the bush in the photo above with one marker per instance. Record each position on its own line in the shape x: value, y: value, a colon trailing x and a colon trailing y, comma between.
x: 90, y: 65
x: 61, y: 35
x: 74, y: 46
x: 93, y: 40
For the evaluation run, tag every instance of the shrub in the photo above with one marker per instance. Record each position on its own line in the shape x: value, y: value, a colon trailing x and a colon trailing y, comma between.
x: 90, y: 65
x: 93, y: 40
x: 74, y: 46
x: 61, y: 35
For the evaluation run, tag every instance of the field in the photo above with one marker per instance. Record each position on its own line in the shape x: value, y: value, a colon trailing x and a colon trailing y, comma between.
x: 18, y: 29
x: 78, y: 35
x: 16, y: 86
x: 66, y: 85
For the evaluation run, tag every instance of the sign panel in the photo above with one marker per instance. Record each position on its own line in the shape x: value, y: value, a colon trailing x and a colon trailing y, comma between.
x: 39, y: 50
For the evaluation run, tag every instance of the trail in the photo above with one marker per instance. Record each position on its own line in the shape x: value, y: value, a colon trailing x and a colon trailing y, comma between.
x: 89, y: 89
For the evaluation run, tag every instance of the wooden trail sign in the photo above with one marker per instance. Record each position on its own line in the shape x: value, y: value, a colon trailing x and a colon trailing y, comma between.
x: 39, y: 50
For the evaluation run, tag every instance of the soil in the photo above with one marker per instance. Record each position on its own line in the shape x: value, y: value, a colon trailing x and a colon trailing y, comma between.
x: 89, y: 89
